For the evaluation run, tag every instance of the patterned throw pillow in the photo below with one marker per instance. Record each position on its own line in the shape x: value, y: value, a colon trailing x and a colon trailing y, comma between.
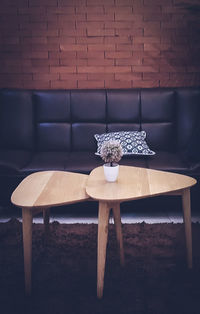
x: 132, y: 142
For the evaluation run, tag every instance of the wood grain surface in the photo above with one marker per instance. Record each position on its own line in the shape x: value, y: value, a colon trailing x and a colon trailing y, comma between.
x: 135, y: 183
x: 50, y: 188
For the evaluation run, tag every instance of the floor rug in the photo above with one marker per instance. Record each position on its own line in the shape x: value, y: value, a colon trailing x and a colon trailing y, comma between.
x: 155, y: 279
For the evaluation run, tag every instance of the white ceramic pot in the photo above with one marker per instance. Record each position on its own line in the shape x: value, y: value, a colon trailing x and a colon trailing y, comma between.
x: 111, y: 173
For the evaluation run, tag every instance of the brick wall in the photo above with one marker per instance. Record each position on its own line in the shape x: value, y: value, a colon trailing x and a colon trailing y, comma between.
x: 58, y: 44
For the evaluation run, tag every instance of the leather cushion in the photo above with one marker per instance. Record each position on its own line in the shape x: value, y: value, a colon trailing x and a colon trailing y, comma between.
x: 83, y: 136
x: 188, y: 113
x: 12, y: 161
x: 88, y: 106
x: 158, y: 105
x: 136, y: 161
x: 192, y: 150
x: 16, y: 120
x: 168, y: 161
x: 53, y: 136
x: 158, y: 115
x: 82, y: 162
x: 52, y: 106
x: 160, y: 136
x: 116, y: 127
x: 41, y: 161
x: 123, y: 106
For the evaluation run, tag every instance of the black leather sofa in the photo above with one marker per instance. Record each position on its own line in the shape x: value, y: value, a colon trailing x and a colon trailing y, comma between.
x: 45, y: 130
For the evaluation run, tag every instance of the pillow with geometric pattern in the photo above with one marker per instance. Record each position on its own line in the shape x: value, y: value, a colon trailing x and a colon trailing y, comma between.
x: 132, y: 142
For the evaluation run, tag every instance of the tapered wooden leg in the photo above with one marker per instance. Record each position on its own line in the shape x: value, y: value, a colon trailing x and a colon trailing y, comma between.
x: 104, y: 211
x: 188, y: 228
x: 46, y: 213
x: 118, y: 228
x: 27, y: 242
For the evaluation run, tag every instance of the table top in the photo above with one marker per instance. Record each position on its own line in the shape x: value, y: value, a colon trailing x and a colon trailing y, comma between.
x: 55, y: 188
x: 135, y: 183
x: 50, y: 188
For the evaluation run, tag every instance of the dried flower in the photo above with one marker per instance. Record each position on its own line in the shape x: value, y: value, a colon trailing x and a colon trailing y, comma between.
x: 111, y: 151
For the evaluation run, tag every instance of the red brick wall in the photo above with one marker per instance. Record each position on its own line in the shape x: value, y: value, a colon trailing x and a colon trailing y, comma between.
x: 58, y: 44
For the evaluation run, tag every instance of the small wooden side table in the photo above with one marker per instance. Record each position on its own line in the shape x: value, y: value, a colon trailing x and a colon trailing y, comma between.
x: 134, y: 183
x: 38, y: 193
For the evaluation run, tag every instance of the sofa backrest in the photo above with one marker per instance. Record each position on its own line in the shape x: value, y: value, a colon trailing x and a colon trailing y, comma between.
x: 158, y: 118
x: 188, y: 115
x: 88, y: 116
x: 16, y: 120
x: 66, y: 120
x: 52, y: 120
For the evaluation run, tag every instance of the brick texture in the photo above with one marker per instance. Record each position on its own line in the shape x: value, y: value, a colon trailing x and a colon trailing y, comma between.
x: 60, y: 44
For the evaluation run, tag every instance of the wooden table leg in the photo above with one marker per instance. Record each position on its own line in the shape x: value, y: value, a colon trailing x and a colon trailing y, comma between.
x: 104, y: 211
x: 27, y: 243
x: 118, y: 228
x: 46, y: 213
x: 187, y: 221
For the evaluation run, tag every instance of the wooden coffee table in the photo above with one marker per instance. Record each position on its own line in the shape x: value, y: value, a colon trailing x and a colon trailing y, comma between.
x: 42, y: 190
x: 132, y: 184
x: 39, y: 192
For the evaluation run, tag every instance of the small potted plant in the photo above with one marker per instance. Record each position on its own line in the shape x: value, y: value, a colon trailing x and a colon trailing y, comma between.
x: 111, y: 153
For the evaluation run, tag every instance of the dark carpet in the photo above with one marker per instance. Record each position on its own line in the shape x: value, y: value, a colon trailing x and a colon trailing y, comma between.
x: 155, y: 279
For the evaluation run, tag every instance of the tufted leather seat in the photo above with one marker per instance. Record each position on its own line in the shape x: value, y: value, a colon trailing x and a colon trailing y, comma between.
x: 45, y: 130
